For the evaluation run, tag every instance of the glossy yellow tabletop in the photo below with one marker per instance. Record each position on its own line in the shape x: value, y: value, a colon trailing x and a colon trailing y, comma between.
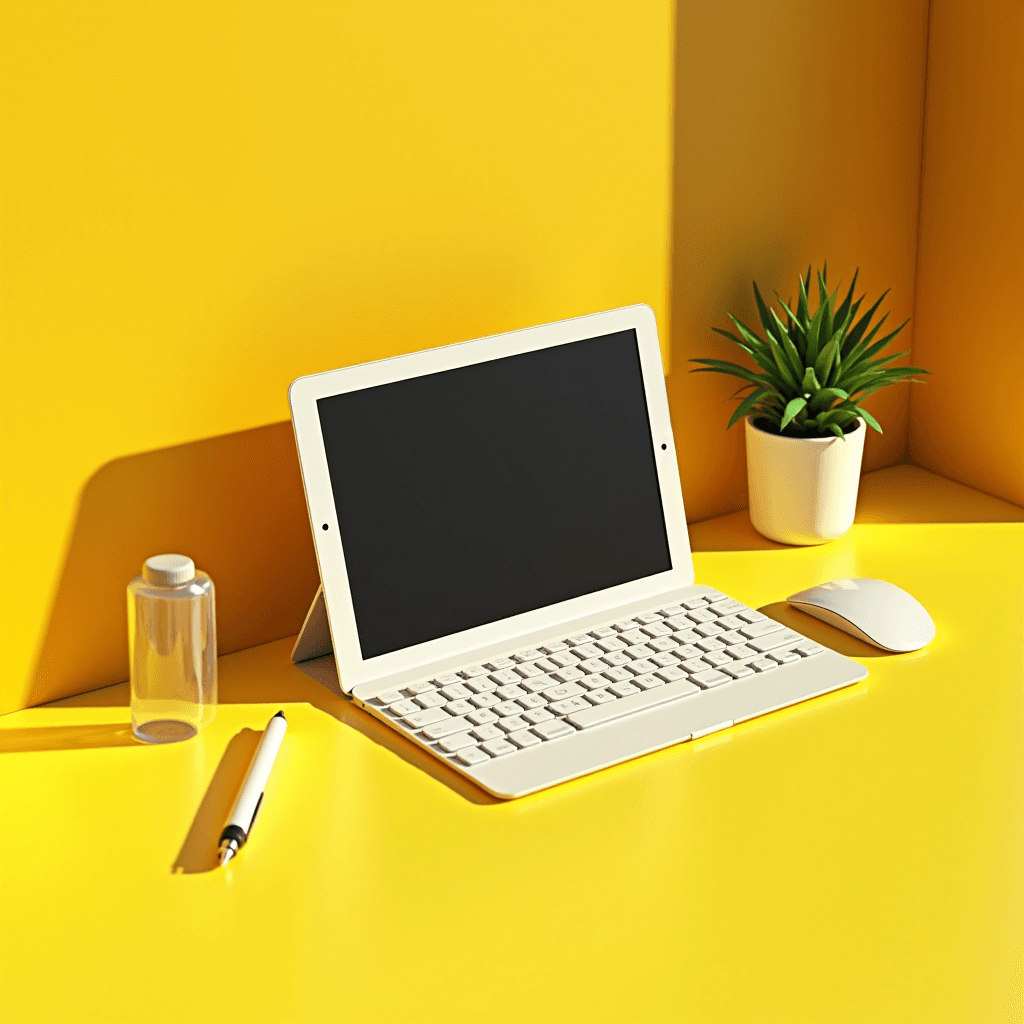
x: 858, y: 858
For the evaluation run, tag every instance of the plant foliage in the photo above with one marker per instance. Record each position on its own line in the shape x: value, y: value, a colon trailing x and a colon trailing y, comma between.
x: 813, y: 370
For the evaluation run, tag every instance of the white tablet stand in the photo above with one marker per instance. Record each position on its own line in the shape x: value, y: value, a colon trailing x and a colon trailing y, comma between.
x: 314, y: 639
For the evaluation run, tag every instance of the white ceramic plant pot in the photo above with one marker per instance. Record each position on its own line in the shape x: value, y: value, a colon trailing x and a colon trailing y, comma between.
x: 803, y: 490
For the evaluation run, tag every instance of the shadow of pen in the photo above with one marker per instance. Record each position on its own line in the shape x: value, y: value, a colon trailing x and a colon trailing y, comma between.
x: 199, y: 851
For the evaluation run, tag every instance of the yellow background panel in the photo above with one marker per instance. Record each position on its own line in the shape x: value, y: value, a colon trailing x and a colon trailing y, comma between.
x: 857, y: 858
x: 798, y: 140
x: 203, y: 202
x: 966, y: 422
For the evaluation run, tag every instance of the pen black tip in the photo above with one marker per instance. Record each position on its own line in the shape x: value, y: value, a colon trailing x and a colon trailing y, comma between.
x: 280, y: 714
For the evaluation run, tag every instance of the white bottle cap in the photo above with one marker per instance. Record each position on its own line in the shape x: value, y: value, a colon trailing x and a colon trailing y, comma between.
x: 169, y: 570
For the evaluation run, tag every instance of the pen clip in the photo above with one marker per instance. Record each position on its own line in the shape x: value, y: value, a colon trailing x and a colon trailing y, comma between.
x: 252, y: 822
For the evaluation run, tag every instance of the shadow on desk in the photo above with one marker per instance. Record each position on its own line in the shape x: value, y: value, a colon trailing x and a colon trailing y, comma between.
x: 66, y: 737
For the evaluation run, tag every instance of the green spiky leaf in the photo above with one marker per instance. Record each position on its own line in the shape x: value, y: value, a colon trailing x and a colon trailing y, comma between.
x: 792, y: 408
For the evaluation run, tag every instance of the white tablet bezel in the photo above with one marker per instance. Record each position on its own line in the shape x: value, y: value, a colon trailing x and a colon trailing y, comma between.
x: 306, y: 391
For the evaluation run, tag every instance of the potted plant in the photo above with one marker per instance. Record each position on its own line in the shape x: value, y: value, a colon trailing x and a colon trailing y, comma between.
x: 805, y: 423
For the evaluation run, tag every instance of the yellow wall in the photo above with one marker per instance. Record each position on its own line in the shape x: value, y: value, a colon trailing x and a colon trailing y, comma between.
x: 798, y: 139
x: 966, y: 423
x: 203, y: 201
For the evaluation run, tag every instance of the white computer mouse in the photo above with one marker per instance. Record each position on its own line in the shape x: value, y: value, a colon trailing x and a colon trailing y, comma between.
x: 877, y: 612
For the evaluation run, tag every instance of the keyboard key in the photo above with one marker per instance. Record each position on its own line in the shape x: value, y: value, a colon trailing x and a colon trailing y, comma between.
x: 687, y: 651
x: 773, y: 640
x: 670, y: 675
x: 648, y: 682
x: 531, y: 700
x: 434, y: 699
x: 563, y: 691
x: 593, y: 682
x: 456, y: 691
x: 701, y: 616
x: 623, y: 689
x: 696, y: 665
x: 686, y: 636
x: 513, y: 724
x: 730, y: 621
x: 506, y: 708
x: 592, y: 665
x: 481, y: 685
x: 590, y: 650
x: 600, y: 697
x: 751, y: 616
x: 524, y: 738
x: 729, y: 607
x: 713, y: 596
x: 624, y: 625
x: 741, y: 651
x: 615, y: 658
x: 704, y: 629
x: 665, y: 659
x: 421, y: 718
x: 472, y: 755
x: 618, y: 675
x: 472, y: 673
x: 656, y: 629
x: 565, y: 660
x: 642, y: 667
x: 457, y: 742
x: 570, y: 704
x: 662, y: 643
x: 413, y: 689
x: 391, y: 697
x: 733, y: 636
x: 499, y: 664
x: 525, y: 656
x: 603, y: 633
x: 553, y: 730
x: 546, y: 665
x: 737, y: 671
x: 718, y: 658
x: 504, y: 677
x: 612, y: 643
x: 753, y: 629
x: 694, y: 602
x: 633, y: 636
x: 648, y: 617
x: 488, y: 732
x: 484, y: 700
x: 639, y: 701
x: 510, y: 692
x: 458, y: 707
x: 710, y: 678
x: 809, y: 649
x: 672, y: 609
x: 784, y: 657
x: 567, y: 675
x: 764, y: 665
x: 638, y: 651
x: 542, y: 682
x: 439, y: 730
x: 482, y: 716
x: 537, y: 715
x: 711, y: 643
x: 555, y: 647
x: 529, y: 671
x: 498, y: 748
x: 404, y: 707
x: 579, y: 640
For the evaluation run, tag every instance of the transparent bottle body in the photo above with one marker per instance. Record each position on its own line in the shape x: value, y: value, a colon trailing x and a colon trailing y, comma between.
x: 172, y: 649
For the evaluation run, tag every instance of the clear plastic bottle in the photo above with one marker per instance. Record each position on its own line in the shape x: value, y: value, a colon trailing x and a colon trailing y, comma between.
x: 172, y: 649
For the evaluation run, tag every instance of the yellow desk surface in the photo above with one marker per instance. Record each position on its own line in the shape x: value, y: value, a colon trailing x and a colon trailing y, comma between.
x: 858, y: 858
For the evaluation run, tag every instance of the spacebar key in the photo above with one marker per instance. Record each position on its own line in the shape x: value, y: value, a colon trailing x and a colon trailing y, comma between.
x: 601, y: 713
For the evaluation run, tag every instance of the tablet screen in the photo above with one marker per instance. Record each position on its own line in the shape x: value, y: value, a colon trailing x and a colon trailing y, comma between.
x: 474, y: 494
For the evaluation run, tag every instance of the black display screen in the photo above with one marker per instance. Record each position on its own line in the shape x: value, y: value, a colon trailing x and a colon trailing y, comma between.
x: 474, y: 494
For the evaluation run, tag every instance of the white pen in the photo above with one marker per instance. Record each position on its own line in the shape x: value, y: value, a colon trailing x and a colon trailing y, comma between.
x: 243, y: 814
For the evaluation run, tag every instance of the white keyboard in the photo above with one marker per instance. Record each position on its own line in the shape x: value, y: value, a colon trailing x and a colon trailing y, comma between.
x: 576, y: 683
